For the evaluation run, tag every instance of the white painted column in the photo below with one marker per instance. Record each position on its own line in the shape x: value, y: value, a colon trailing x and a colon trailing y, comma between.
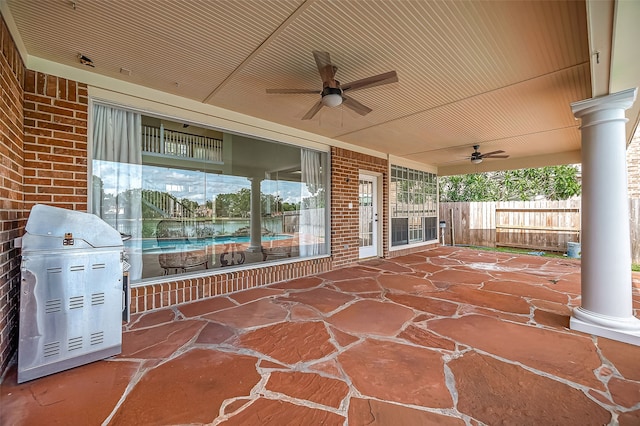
x: 607, y: 304
x: 256, y: 213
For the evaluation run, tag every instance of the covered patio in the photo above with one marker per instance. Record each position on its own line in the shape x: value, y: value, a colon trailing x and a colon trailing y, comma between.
x: 444, y: 336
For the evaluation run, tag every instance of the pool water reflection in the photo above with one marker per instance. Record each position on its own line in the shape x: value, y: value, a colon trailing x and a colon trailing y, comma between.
x: 180, y: 245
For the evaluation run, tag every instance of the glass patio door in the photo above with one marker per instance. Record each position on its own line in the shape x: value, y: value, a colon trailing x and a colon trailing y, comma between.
x: 368, y: 206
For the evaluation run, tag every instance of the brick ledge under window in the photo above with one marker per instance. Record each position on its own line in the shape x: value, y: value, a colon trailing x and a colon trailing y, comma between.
x: 148, y: 297
x: 411, y: 248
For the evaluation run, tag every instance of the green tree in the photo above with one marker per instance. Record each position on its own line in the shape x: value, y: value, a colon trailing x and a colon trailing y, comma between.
x: 290, y: 207
x: 474, y: 187
x: 236, y: 204
x: 553, y: 183
x: 189, y: 205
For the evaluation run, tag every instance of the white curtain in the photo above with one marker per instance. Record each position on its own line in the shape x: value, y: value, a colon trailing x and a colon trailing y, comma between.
x: 312, y: 213
x: 117, y: 176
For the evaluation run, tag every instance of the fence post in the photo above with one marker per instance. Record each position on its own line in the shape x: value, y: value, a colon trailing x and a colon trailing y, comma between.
x: 453, y: 240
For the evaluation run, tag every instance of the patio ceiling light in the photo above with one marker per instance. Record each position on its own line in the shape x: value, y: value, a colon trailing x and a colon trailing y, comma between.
x: 332, y: 97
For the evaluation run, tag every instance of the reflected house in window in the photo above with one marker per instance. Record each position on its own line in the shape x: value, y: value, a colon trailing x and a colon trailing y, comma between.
x: 205, y: 199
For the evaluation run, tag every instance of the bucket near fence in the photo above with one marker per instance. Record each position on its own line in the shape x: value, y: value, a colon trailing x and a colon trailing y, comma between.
x: 573, y: 250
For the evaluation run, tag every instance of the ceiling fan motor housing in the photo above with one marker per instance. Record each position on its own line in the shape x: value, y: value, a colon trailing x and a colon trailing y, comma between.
x: 331, y: 91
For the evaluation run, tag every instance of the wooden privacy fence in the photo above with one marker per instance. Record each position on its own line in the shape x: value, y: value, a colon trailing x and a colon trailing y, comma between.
x: 536, y: 225
x: 547, y: 226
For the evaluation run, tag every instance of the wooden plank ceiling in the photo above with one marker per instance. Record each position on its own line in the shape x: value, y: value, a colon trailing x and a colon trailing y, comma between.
x: 497, y: 74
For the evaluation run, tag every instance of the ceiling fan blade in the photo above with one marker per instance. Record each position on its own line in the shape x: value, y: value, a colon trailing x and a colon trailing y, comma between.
x: 313, y: 111
x: 491, y: 153
x: 290, y: 91
x: 495, y: 156
x: 375, y: 80
x: 325, y: 68
x: 355, y: 106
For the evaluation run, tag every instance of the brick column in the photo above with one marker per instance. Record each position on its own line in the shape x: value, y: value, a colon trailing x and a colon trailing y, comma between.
x: 345, y: 168
x: 55, y: 142
x: 11, y: 191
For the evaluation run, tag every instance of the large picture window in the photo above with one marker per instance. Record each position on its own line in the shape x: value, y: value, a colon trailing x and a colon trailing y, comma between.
x: 191, y: 199
x: 413, y: 203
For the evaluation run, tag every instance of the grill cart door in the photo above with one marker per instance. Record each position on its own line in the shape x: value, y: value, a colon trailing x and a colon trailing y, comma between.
x: 71, y: 292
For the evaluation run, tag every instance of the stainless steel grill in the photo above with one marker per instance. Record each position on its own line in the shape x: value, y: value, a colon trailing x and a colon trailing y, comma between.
x: 71, y: 301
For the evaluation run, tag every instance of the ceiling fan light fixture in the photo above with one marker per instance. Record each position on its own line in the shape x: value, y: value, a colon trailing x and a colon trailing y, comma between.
x: 331, y: 97
x: 476, y: 160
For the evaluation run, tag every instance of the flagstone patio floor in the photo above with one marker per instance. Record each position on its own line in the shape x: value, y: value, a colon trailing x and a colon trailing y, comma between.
x: 447, y: 336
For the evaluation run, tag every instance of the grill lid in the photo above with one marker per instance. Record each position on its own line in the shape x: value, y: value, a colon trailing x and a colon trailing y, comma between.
x: 53, y: 227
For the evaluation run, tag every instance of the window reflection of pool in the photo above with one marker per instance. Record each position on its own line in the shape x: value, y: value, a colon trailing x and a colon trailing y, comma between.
x: 179, y: 245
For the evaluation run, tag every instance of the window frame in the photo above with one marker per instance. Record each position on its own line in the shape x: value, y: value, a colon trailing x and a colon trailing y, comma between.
x: 323, y: 149
x: 406, y: 171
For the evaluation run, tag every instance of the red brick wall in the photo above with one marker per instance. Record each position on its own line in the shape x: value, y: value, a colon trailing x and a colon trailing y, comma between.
x: 43, y: 140
x: 11, y: 198
x: 345, y: 168
x: 184, y: 290
x: 55, y: 142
